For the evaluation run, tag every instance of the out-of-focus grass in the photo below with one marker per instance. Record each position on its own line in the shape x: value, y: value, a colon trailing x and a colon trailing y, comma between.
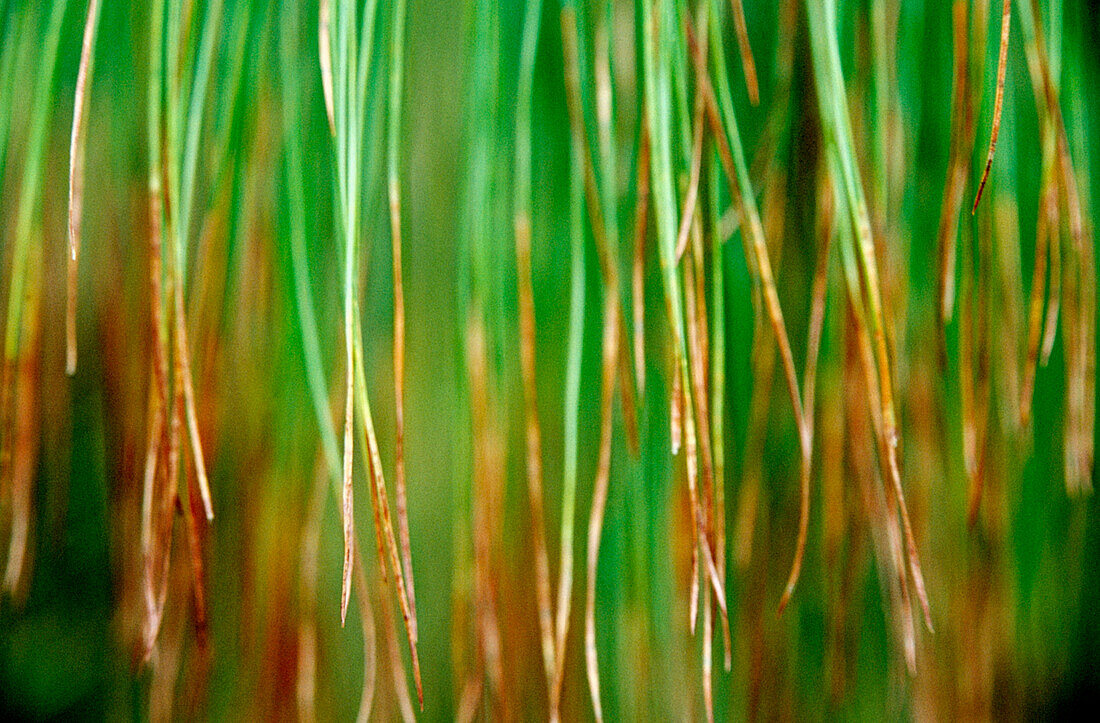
x: 555, y: 143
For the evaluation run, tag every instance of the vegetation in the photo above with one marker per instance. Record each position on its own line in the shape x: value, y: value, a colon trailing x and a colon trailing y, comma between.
x: 511, y: 284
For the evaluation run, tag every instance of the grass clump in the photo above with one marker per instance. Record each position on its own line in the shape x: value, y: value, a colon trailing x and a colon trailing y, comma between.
x: 576, y: 241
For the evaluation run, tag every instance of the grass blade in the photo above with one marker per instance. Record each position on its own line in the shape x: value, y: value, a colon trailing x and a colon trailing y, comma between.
x: 831, y: 95
x: 522, y: 230
x: 571, y: 415
x: 1002, y: 61
x: 369, y: 444
x: 957, y: 163
x: 324, y: 48
x: 718, y: 396
x: 76, y: 175
x: 637, y: 285
x: 393, y: 132
x: 747, y: 63
x: 724, y: 126
x: 186, y: 164
x: 599, y: 497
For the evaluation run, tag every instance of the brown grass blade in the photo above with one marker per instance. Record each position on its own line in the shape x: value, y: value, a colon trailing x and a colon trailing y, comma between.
x: 155, y: 555
x: 889, y: 442
x: 692, y: 197
x: 373, y: 463
x: 691, y: 464
x: 347, y: 504
x: 809, y: 384
x: 698, y: 426
x: 157, y: 296
x: 1077, y: 470
x: 628, y: 390
x: 379, y: 528
x: 157, y: 504
x: 486, y: 456
x: 910, y: 540
x: 759, y: 248
x: 1081, y: 362
x: 1002, y: 60
x: 599, y: 493
x: 698, y: 378
x: 194, y: 550
x: 305, y: 684
x: 876, y: 500
x: 755, y: 232
x: 400, y: 493
x: 183, y: 371
x: 1054, y: 292
x: 169, y: 501
x: 397, y: 668
x: 903, y: 604
x: 698, y: 542
x: 879, y: 397
x: 957, y: 164
x: 701, y: 317
x: 881, y: 504
x: 174, y: 467
x: 868, y: 272
x: 637, y: 286
x: 904, y: 612
x: 76, y: 177
x: 713, y: 498
x: 747, y: 62
x: 534, y: 442
x: 701, y: 540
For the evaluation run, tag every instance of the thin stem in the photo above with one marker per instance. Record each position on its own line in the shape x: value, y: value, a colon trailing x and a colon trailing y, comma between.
x: 76, y: 175
x: 393, y: 134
